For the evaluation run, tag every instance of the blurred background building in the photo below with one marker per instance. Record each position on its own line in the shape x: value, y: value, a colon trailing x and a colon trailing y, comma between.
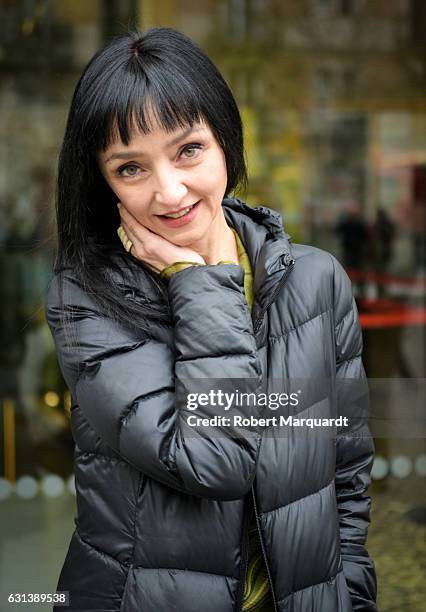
x: 333, y: 99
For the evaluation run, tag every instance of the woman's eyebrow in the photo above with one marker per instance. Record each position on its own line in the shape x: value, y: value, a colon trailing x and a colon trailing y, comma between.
x: 170, y: 143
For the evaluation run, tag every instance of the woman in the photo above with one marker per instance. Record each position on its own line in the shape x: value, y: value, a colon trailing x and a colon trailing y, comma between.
x: 162, y: 280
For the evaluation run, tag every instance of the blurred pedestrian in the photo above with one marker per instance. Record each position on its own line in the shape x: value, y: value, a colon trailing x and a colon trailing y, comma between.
x: 383, y: 239
x: 354, y: 235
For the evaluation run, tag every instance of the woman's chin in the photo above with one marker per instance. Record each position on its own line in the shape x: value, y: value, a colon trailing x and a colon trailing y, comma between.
x: 184, y: 238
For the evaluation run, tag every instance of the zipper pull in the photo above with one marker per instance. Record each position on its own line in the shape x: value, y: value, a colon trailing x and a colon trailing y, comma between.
x: 287, y: 259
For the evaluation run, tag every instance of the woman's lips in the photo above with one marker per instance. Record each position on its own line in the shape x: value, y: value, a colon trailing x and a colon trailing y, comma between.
x: 184, y: 220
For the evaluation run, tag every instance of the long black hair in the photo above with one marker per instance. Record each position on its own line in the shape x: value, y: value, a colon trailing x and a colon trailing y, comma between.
x: 167, y: 70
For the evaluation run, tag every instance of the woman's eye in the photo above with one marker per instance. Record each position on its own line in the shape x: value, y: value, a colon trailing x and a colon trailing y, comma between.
x: 129, y: 170
x: 192, y: 148
x: 189, y: 151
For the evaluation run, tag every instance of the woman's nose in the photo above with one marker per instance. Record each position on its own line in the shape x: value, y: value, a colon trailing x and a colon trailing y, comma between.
x: 169, y: 188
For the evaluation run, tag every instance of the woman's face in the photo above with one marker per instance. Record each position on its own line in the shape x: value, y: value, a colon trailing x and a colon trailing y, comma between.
x: 162, y: 173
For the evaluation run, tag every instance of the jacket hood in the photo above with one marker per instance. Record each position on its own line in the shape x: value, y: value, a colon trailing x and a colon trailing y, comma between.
x: 268, y: 246
x: 262, y: 215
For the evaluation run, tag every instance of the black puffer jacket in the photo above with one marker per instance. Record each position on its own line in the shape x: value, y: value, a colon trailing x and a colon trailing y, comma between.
x: 162, y: 512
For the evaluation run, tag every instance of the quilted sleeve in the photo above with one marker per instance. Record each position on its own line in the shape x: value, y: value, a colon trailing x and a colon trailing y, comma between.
x: 125, y: 386
x: 354, y: 453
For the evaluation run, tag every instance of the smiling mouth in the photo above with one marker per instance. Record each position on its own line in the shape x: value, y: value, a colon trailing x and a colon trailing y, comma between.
x: 181, y: 213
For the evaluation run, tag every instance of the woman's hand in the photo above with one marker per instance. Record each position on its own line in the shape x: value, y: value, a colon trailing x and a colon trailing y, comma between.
x: 152, y: 249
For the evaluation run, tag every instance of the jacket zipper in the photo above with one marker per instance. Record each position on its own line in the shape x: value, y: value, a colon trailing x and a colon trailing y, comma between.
x: 290, y: 263
x: 263, y: 551
x: 244, y: 555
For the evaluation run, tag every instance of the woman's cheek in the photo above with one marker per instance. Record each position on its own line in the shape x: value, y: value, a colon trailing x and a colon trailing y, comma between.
x: 130, y: 198
x: 137, y: 205
x: 217, y: 175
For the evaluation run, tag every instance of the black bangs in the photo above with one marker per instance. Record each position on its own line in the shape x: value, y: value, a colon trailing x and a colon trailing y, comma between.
x: 136, y: 102
x: 135, y: 94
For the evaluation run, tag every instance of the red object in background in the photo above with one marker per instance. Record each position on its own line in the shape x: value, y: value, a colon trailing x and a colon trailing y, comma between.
x: 385, y: 312
x: 389, y: 313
